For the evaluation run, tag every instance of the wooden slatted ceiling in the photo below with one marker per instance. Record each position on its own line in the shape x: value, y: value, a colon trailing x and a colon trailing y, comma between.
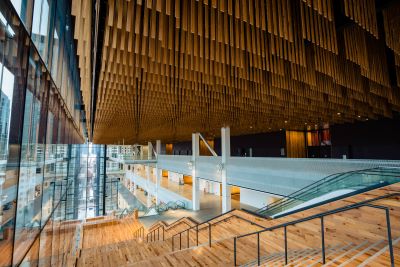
x: 82, y: 11
x: 172, y: 67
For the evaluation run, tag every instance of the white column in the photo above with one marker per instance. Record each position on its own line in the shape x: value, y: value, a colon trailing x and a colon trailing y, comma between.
x: 148, y: 181
x: 195, y: 180
x: 225, y: 155
x: 158, y: 171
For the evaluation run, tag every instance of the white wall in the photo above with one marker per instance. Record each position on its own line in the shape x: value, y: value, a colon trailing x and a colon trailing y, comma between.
x: 175, y: 177
x: 209, y: 187
x: 255, y: 198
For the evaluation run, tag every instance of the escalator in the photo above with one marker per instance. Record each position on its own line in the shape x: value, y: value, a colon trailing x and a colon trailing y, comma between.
x: 331, y: 188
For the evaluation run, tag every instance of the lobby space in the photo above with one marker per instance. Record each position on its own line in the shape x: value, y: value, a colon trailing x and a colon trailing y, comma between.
x: 245, y: 132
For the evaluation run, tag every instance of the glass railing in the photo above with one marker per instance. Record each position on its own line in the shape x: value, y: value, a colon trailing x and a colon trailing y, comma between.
x: 331, y: 188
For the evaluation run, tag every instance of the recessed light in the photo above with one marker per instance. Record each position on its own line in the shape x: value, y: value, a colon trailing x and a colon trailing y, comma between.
x: 338, y: 113
x: 366, y: 119
x: 359, y: 116
x: 251, y: 127
x: 285, y: 121
x: 280, y: 129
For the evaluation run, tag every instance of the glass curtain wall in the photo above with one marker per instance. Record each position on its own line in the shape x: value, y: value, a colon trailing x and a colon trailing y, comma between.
x: 40, y: 121
x: 86, y: 197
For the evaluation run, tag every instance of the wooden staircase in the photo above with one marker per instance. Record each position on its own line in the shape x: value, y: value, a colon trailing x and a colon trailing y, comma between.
x: 353, y: 237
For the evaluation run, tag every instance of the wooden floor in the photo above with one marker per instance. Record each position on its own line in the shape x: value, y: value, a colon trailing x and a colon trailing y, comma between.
x: 356, y: 237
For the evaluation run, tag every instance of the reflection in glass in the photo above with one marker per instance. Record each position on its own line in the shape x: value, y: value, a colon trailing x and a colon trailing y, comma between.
x: 13, y: 60
x: 28, y: 217
x: 24, y: 10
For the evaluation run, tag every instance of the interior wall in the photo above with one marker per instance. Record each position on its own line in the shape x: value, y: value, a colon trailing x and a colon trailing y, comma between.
x: 175, y: 177
x: 367, y: 140
x: 209, y: 187
x: 362, y: 140
x: 255, y: 198
x: 295, y: 144
x: 262, y: 145
x: 187, y: 179
x: 182, y: 148
x: 169, y: 149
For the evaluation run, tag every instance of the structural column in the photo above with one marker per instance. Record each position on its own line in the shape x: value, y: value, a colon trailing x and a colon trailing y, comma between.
x: 195, y: 180
x: 158, y: 170
x: 225, y: 156
x: 149, y: 152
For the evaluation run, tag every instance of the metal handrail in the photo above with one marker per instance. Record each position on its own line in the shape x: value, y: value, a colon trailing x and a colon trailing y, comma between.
x: 365, y: 203
x: 152, y: 233
x: 314, y: 187
x: 209, y: 228
x: 139, y: 232
x: 321, y: 181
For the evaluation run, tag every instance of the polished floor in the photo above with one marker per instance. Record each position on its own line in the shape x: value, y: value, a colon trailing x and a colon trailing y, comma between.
x: 210, y: 206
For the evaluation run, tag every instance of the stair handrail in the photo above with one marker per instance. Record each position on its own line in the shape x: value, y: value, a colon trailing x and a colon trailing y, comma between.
x: 162, y: 225
x: 208, y: 225
x: 191, y: 227
x: 139, y: 232
x: 365, y: 203
x: 332, y: 177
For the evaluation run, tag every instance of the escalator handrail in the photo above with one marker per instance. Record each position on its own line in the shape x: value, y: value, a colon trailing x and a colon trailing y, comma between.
x: 330, y: 178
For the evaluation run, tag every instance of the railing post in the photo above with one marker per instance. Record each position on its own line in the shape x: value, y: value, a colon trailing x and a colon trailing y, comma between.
x: 258, y: 248
x: 173, y: 243
x: 147, y: 238
x: 163, y: 232
x: 389, y: 234
x: 286, y: 256
x: 197, y: 235
x: 209, y: 234
x: 180, y: 241
x: 158, y: 233
x: 234, y: 251
x: 188, y: 238
x: 323, y: 239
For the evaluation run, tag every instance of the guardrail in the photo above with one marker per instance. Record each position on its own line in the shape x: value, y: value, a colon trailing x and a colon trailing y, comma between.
x: 139, y: 232
x: 208, y: 226
x: 321, y: 216
x: 152, y: 233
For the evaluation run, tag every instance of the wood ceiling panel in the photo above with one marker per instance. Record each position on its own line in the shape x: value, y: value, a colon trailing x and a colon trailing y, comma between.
x: 172, y: 67
x: 82, y: 11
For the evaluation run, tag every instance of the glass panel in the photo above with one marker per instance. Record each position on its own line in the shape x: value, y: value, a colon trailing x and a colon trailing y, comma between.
x: 28, y: 220
x: 41, y: 26
x: 13, y: 62
x: 24, y: 10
